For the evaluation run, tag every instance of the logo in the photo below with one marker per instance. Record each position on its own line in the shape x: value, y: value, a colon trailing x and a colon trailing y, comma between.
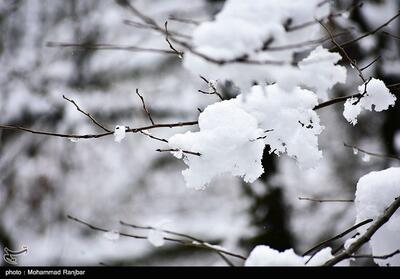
x: 10, y: 256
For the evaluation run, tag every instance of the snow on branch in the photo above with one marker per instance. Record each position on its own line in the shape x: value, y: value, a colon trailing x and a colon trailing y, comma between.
x: 364, y: 238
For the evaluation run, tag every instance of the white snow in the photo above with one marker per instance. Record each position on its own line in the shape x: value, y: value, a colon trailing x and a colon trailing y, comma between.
x: 288, y: 116
x: 375, y: 192
x: 351, y: 111
x: 263, y: 255
x: 119, y: 133
x: 178, y: 154
x: 323, y: 62
x: 112, y: 235
x: 156, y: 237
x: 258, y: 24
x: 74, y: 140
x: 349, y: 242
x: 377, y: 98
x: 366, y: 158
x: 227, y: 144
x: 233, y: 134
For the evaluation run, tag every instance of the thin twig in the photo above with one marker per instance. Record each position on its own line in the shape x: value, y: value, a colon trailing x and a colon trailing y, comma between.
x: 184, y: 20
x: 335, y: 101
x: 324, y: 200
x: 303, y: 44
x: 364, y: 238
x: 179, y: 53
x: 178, y: 150
x: 329, y: 16
x: 212, y: 86
x: 383, y: 257
x: 166, y: 231
x: 390, y: 35
x: 193, y: 240
x: 86, y: 113
x: 153, y: 137
x: 240, y: 59
x: 369, y: 64
x: 352, y: 62
x: 108, y: 47
x: 144, y: 106
x: 372, y: 153
x: 100, y: 135
x: 146, y: 26
x: 97, y: 228
x: 86, y: 136
x: 340, y: 235
x: 225, y: 259
x: 366, y: 34
x: 392, y: 87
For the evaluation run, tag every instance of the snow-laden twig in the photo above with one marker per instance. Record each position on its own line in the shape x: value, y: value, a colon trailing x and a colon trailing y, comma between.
x: 211, y: 85
x: 177, y: 150
x: 364, y: 238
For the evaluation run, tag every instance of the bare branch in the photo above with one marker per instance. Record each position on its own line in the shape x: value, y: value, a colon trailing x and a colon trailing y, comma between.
x: 390, y: 35
x: 324, y: 200
x: 366, y: 34
x: 87, y: 114
x: 109, y: 47
x: 166, y: 231
x: 91, y: 136
x: 193, y: 240
x: 241, y: 59
x: 144, y: 106
x: 179, y: 53
x: 184, y: 20
x: 369, y: 64
x: 153, y: 137
x: 383, y: 257
x: 304, y: 44
x: 97, y: 228
x: 372, y: 153
x: 290, y: 28
x: 335, y: 101
x: 338, y: 236
x: 352, y: 62
x: 146, y: 26
x: 192, y: 243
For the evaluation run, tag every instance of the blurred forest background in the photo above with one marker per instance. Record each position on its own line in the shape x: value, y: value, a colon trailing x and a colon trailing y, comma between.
x: 43, y: 179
